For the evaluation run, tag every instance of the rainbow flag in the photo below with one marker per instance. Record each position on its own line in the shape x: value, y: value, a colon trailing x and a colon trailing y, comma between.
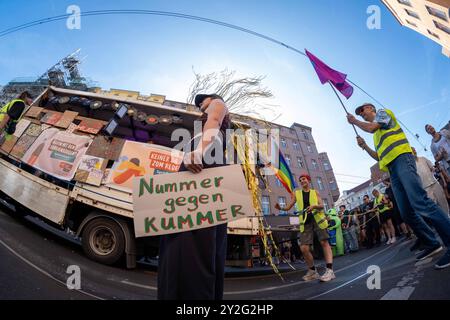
x: 284, y: 174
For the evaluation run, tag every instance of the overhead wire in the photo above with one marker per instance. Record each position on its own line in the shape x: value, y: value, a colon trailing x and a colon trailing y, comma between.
x: 183, y: 16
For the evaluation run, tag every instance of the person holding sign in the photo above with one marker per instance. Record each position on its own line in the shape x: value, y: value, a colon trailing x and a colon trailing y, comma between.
x: 312, y: 220
x: 192, y: 263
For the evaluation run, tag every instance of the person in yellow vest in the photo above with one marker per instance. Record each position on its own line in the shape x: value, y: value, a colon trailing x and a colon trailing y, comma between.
x: 394, y: 154
x: 385, y: 215
x: 312, y: 220
x: 11, y: 113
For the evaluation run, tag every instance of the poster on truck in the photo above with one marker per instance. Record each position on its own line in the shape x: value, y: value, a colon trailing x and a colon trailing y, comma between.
x: 138, y: 159
x: 183, y: 201
x: 57, y: 153
x: 91, y: 170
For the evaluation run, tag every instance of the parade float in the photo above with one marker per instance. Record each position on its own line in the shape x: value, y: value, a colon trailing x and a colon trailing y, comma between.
x: 72, y: 161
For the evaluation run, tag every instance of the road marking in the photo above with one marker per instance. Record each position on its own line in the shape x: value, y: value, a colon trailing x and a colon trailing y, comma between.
x: 43, y: 271
x: 353, y: 280
x: 404, y: 288
x: 302, y: 282
x: 138, y: 285
x: 398, y: 293
x: 338, y: 287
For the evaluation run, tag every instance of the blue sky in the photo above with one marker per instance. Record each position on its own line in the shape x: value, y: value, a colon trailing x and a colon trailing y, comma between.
x: 154, y: 54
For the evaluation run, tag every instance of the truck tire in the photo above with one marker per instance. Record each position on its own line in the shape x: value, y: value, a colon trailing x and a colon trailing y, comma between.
x: 103, y: 241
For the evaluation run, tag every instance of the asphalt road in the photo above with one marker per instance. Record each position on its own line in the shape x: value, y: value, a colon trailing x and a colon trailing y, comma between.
x: 34, y: 263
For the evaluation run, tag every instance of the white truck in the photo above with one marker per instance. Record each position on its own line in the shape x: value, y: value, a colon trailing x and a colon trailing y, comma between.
x: 100, y: 215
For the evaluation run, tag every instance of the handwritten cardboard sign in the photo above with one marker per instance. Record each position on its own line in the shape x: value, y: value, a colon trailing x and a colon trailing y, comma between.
x: 183, y: 201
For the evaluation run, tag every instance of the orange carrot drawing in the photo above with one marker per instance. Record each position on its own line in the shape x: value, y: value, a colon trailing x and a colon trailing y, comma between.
x: 132, y: 169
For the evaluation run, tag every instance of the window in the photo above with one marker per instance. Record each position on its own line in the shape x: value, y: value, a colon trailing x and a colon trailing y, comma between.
x: 411, y: 23
x: 440, y: 26
x: 314, y: 164
x: 283, y: 142
x: 405, y: 2
x: 278, y: 182
x: 305, y: 134
x: 437, y: 13
x: 288, y: 159
x: 265, y: 205
x: 412, y: 14
x: 326, y: 206
x: 320, y: 184
x: 309, y: 148
x: 282, y: 202
x: 295, y: 145
x: 326, y: 166
x: 333, y: 185
x: 300, y: 162
x: 433, y: 34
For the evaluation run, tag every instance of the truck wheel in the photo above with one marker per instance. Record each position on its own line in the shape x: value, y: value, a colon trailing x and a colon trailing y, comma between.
x: 103, y: 241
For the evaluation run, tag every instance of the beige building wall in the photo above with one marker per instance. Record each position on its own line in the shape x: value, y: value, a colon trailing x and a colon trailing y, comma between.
x: 428, y: 17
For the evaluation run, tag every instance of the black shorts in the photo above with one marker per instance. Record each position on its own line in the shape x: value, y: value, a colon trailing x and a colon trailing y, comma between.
x: 385, y: 216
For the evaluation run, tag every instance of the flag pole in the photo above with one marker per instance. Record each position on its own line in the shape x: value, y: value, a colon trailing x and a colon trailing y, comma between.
x: 343, y: 106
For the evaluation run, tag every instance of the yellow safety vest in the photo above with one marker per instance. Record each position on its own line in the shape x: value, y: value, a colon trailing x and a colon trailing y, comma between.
x: 379, y: 200
x: 390, y: 143
x: 319, y: 216
x: 4, y: 111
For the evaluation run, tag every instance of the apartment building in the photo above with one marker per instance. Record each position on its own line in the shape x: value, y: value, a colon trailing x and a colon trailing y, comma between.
x: 428, y: 17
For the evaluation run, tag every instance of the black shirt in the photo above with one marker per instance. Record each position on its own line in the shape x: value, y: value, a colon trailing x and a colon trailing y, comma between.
x: 390, y: 194
x: 306, y: 204
x: 347, y: 218
x: 15, y: 111
x: 367, y: 207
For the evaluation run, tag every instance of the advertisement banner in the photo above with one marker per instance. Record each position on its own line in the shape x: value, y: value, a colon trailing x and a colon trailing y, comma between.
x: 57, y: 153
x: 138, y: 159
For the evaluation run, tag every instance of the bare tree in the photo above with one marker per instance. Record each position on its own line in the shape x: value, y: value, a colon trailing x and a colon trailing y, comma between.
x: 243, y: 95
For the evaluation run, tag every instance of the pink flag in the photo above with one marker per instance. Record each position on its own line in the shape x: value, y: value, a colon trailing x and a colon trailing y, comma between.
x: 325, y: 74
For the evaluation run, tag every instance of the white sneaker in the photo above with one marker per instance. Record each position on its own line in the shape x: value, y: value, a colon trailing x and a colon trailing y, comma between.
x: 393, y: 240
x: 311, y: 275
x: 328, y: 276
x: 389, y: 241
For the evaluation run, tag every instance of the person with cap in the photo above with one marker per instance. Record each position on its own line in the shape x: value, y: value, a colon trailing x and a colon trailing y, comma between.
x: 394, y: 154
x: 11, y: 113
x: 312, y: 220
x: 192, y: 264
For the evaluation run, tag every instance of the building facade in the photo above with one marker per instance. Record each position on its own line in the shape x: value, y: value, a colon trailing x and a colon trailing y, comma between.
x: 354, y: 197
x: 428, y: 17
x: 300, y: 151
